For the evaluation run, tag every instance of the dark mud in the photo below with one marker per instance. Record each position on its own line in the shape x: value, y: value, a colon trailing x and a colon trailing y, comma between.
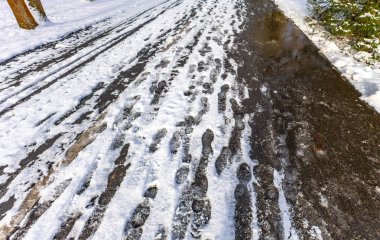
x: 310, y: 125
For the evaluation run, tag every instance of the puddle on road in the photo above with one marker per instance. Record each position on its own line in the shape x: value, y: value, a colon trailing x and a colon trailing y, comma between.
x: 277, y: 37
x: 310, y: 124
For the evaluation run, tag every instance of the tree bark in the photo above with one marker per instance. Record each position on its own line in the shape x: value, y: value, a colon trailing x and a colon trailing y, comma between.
x: 23, y: 16
x: 37, y: 6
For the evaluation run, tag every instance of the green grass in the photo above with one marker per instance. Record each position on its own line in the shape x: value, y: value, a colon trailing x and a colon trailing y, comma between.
x: 357, y: 20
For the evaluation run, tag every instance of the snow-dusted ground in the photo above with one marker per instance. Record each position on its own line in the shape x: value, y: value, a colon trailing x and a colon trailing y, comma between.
x: 140, y: 127
x: 115, y: 132
x: 65, y: 17
x: 71, y: 15
x: 365, y: 78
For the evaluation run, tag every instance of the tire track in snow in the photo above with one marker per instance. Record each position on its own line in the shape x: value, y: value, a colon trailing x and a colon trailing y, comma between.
x: 29, y: 160
x: 84, y: 100
x: 66, y: 227
x: 74, y: 47
x: 82, y: 103
x: 34, y: 194
x: 74, y: 66
x: 72, y: 156
x: 114, y: 180
x: 39, y: 209
x: 111, y: 94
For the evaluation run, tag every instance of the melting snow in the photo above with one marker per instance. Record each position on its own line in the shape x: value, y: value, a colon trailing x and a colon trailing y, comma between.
x: 365, y: 78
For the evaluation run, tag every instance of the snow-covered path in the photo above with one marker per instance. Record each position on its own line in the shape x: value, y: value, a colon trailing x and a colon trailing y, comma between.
x: 114, y: 132
x: 193, y: 119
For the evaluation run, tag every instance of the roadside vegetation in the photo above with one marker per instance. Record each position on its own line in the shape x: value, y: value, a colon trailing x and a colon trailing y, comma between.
x: 358, y: 21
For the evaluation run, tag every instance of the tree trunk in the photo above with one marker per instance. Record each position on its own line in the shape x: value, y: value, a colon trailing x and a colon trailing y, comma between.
x: 23, y: 16
x: 37, y: 6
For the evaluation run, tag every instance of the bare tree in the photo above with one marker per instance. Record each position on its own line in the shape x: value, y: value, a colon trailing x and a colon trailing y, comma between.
x: 38, y: 8
x: 22, y: 14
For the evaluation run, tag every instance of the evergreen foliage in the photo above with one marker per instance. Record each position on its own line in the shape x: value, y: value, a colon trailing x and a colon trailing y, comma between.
x: 359, y: 20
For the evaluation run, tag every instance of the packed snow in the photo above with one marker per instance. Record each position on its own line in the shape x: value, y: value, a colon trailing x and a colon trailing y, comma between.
x: 68, y: 16
x: 133, y: 127
x: 141, y: 88
x: 64, y: 17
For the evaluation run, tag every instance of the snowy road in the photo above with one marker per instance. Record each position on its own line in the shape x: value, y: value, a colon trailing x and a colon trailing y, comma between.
x: 174, y: 124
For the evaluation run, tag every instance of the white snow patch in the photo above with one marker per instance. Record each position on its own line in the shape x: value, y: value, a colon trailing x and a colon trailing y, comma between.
x: 289, y: 231
x: 316, y: 233
x: 377, y: 189
x: 65, y: 17
x: 323, y: 200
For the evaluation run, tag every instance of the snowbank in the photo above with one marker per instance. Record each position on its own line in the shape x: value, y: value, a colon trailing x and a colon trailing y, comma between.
x: 365, y: 78
x: 65, y: 16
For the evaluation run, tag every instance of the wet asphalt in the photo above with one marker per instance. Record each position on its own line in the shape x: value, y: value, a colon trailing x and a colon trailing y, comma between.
x: 309, y: 124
